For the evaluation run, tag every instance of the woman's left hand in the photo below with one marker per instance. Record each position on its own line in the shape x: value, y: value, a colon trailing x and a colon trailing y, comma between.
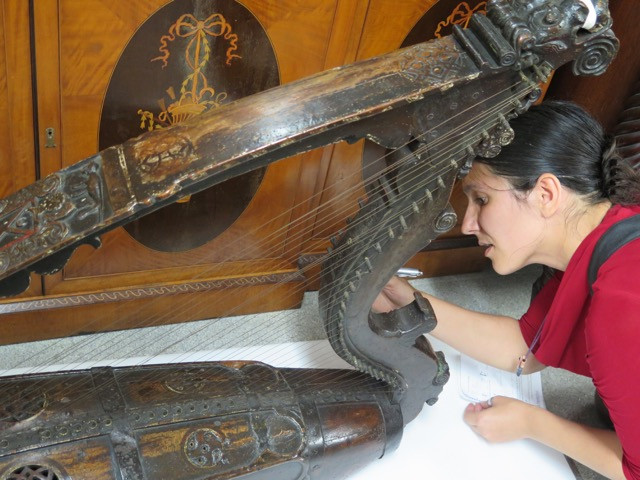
x: 501, y: 420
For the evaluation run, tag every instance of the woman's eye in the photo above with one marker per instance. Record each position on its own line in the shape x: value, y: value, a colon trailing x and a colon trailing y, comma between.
x: 481, y: 200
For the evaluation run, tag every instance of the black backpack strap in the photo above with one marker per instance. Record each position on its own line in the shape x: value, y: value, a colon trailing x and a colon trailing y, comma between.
x: 618, y: 235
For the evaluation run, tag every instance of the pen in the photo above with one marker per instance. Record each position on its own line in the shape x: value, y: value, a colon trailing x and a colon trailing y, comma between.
x: 523, y: 359
x: 409, y: 273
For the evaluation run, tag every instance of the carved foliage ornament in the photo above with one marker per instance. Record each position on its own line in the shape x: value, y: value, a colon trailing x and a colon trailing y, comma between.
x: 44, y: 213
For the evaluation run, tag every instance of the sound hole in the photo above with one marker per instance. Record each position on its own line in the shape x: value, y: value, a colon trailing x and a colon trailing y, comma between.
x: 33, y: 472
x: 189, y: 57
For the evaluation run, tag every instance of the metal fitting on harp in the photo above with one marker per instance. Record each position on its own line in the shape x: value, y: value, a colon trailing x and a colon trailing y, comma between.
x: 592, y: 16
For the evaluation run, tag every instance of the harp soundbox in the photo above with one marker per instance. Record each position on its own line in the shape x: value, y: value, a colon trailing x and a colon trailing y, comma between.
x: 431, y: 109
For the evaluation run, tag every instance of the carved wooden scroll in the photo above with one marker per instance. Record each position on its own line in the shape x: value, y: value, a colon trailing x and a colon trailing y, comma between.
x: 435, y: 106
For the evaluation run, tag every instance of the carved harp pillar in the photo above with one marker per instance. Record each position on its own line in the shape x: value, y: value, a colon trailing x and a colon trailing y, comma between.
x: 106, y: 71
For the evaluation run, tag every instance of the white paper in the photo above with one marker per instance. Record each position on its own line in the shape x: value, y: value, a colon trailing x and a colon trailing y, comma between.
x: 480, y: 382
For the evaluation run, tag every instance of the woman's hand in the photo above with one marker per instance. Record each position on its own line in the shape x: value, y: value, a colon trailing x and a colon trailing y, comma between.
x: 395, y: 294
x: 501, y: 420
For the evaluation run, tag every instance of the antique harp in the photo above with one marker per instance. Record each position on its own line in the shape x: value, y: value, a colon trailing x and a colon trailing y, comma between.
x: 432, y: 108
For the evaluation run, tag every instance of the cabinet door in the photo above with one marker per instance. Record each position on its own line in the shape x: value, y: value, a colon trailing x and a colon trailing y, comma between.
x: 17, y: 160
x: 90, y: 53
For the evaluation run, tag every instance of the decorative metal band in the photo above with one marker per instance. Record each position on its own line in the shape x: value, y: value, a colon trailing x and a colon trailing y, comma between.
x: 125, y: 449
x: 146, y: 292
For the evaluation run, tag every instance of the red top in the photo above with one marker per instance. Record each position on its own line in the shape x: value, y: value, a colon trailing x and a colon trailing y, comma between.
x: 599, y: 335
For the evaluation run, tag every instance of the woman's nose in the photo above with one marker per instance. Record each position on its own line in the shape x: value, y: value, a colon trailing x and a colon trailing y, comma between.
x: 470, y: 221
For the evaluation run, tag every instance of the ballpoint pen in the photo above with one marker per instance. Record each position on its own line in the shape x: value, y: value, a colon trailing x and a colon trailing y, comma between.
x: 409, y: 273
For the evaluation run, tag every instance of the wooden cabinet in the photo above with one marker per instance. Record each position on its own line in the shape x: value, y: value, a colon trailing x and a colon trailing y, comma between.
x: 102, y: 73
x: 18, y: 166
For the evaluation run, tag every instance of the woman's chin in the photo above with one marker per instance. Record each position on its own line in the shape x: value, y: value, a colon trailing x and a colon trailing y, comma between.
x: 502, y: 269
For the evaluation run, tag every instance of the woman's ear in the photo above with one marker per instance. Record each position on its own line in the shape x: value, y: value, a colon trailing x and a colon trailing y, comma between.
x: 548, y: 192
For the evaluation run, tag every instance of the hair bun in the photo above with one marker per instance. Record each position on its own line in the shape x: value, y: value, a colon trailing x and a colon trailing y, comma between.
x: 609, y: 166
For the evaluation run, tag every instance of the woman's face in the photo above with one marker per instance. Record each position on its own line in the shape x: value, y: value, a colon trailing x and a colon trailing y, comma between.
x: 506, y: 222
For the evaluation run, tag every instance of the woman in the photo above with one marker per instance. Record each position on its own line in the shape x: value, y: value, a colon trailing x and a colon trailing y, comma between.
x: 546, y: 199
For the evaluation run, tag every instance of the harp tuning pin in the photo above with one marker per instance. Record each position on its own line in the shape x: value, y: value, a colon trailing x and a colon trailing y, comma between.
x: 415, y: 207
x: 428, y: 194
x: 539, y: 73
x: 333, y: 240
x: 378, y: 247
x: 361, y: 202
x: 403, y: 223
x: 391, y: 234
x: 368, y: 263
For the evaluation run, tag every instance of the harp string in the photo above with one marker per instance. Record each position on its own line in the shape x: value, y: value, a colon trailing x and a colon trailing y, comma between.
x: 422, y: 166
x: 430, y: 145
x: 338, y: 214
x: 308, y: 380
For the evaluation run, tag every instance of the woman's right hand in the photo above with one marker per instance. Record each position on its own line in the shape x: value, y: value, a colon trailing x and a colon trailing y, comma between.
x: 397, y: 293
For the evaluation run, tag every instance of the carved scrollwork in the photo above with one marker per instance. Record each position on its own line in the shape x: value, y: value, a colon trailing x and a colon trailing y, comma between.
x: 46, y: 185
x: 446, y: 220
x: 493, y: 141
x: 54, y: 232
x: 48, y: 213
x: 596, y: 56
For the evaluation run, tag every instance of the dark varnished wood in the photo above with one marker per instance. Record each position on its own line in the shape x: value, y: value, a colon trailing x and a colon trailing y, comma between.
x: 181, y: 422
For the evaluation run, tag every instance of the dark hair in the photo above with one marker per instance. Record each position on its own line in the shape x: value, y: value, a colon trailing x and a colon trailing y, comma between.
x: 563, y: 139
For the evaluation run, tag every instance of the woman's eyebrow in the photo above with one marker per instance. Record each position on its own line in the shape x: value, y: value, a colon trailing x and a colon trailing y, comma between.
x: 469, y: 187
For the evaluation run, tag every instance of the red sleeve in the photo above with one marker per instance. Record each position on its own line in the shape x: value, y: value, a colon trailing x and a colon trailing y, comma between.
x: 531, y: 320
x: 613, y: 346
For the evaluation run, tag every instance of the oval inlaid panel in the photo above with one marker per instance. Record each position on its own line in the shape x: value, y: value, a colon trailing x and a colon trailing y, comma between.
x: 188, y: 57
